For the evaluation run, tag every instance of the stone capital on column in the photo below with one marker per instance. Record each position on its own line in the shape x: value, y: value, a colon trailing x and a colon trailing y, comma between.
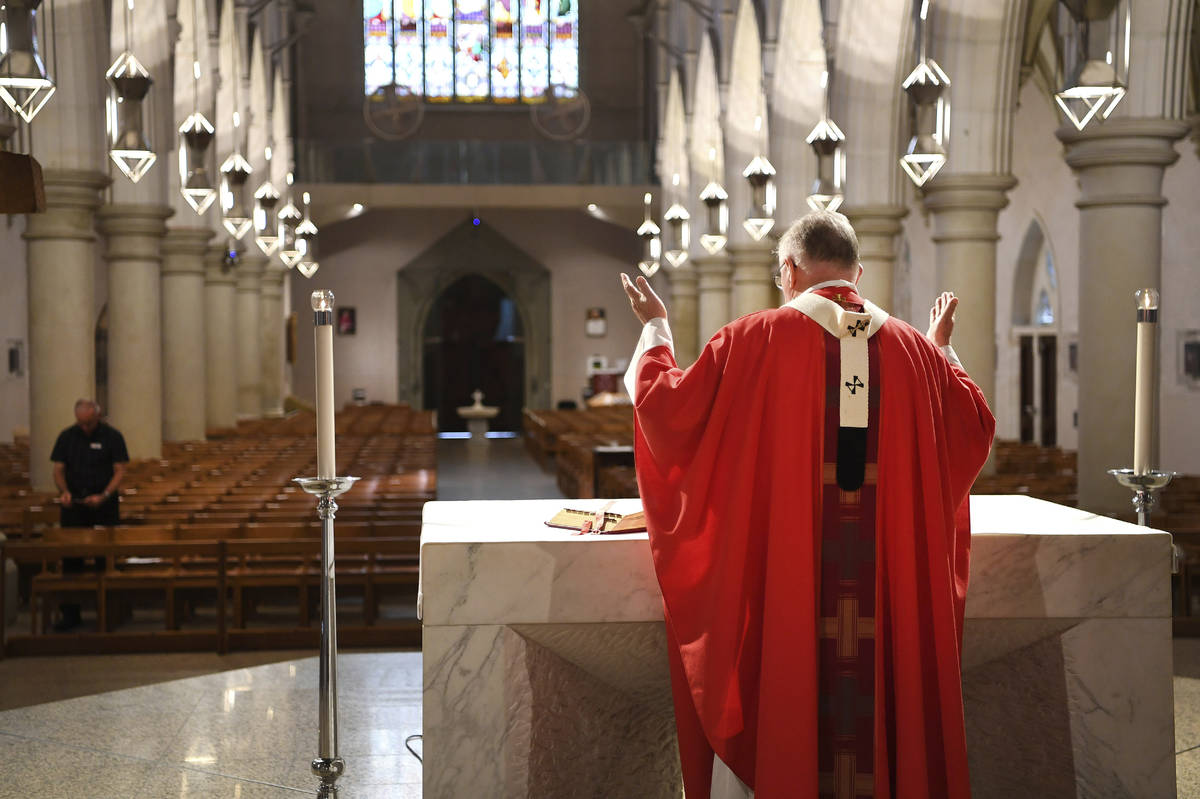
x: 753, y: 286
x: 134, y: 231
x: 714, y: 273
x: 876, y: 227
x: 250, y: 271
x: 965, y: 207
x: 72, y: 197
x: 271, y: 281
x: 192, y: 243
x: 1121, y: 162
x: 684, y: 311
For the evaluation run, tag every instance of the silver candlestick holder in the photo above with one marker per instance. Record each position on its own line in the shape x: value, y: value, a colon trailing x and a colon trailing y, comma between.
x: 1145, y: 488
x: 327, y: 765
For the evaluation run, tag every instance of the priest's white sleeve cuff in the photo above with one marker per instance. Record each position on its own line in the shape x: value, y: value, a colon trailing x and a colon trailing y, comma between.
x: 655, y: 333
x: 952, y: 356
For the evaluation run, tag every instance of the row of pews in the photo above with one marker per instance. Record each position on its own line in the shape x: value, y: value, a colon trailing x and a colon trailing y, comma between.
x: 590, y: 451
x: 218, y: 549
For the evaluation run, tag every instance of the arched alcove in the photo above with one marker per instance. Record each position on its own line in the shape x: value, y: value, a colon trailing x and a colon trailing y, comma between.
x: 100, y: 340
x: 477, y: 250
x: 474, y: 339
x: 1035, y: 315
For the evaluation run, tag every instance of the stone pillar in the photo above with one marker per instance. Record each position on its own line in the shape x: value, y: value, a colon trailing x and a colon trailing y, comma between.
x: 876, y: 227
x: 184, y: 385
x: 220, y: 344
x: 683, y: 311
x: 1120, y: 166
x: 134, y: 235
x: 964, y: 209
x: 61, y: 257
x: 271, y: 340
x: 714, y: 288
x: 753, y: 287
x: 248, y: 329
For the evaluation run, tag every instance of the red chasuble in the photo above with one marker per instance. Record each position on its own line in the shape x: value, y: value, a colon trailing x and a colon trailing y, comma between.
x: 814, y: 616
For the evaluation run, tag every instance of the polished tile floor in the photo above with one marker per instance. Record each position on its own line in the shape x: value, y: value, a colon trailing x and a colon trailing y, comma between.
x: 244, y: 726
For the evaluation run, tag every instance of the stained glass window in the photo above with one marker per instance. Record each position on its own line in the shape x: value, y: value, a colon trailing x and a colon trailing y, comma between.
x: 501, y: 51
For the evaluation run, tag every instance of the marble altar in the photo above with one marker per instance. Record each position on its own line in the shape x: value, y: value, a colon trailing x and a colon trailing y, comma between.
x: 545, y: 671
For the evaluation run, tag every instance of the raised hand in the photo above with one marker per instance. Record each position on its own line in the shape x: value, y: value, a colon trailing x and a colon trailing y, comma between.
x: 646, y: 304
x: 941, y: 318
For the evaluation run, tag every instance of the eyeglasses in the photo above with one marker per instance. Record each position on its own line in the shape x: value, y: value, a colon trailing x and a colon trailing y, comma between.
x: 778, y: 276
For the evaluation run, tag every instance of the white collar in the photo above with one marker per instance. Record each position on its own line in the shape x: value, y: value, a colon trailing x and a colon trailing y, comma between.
x: 829, y: 284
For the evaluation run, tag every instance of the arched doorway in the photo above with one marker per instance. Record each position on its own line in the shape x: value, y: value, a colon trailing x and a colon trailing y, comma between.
x: 1036, y: 332
x: 474, y: 339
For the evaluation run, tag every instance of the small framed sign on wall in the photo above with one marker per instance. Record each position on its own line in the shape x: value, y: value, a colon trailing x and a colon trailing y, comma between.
x: 596, y: 325
x: 347, y: 321
x: 1189, y: 358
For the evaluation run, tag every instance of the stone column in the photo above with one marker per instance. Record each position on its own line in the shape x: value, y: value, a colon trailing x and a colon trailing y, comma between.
x: 271, y: 340
x: 1120, y: 166
x: 247, y: 327
x: 753, y: 287
x: 683, y: 310
x: 220, y: 344
x: 714, y: 288
x: 876, y: 227
x: 61, y: 256
x: 184, y: 385
x: 134, y: 235
x: 964, y: 209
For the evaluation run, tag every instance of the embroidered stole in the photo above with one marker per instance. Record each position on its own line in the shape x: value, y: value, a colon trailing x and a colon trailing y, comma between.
x: 846, y: 625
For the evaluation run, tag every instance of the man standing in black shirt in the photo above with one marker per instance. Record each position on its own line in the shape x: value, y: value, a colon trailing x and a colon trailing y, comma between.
x: 89, y: 462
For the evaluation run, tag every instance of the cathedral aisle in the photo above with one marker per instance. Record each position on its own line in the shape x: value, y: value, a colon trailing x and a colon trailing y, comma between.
x: 498, y: 468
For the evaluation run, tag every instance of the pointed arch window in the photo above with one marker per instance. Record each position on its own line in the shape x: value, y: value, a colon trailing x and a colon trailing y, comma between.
x: 472, y: 51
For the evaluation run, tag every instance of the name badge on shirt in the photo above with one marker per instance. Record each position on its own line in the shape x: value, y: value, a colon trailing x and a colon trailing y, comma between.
x: 97, y: 445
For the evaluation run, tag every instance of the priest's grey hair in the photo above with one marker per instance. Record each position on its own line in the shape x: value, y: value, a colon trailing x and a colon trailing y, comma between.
x: 820, y: 236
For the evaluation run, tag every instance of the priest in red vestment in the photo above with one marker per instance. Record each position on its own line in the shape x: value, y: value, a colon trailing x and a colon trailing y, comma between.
x: 805, y: 483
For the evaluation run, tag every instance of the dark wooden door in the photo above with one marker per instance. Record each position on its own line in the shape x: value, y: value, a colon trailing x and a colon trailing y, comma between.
x: 1048, y: 369
x: 474, y: 339
x: 1028, y: 410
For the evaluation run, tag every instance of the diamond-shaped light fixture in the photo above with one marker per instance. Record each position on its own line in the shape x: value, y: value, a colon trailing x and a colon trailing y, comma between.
x: 234, y: 173
x: 827, y: 141
x: 1095, y: 42
x: 761, y: 216
x: 266, y: 227
x: 651, y: 242
x: 24, y: 84
x: 716, y: 205
x: 306, y: 241
x: 196, y: 135
x: 291, y: 249
x: 679, y: 234
x: 926, y: 86
x: 129, y: 82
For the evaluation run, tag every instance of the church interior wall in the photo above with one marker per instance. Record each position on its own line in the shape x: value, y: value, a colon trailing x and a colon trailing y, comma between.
x: 361, y: 258
x: 14, y: 328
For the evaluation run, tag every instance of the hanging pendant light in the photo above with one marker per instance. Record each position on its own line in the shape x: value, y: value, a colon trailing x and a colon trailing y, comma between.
x: 651, y: 242
x: 234, y: 173
x: 926, y: 87
x: 306, y: 240
x: 129, y: 149
x: 195, y: 137
x: 290, y: 248
x: 827, y: 141
x: 760, y: 218
x: 679, y: 234
x: 25, y: 85
x: 266, y: 227
x: 1095, y: 43
x: 716, y: 206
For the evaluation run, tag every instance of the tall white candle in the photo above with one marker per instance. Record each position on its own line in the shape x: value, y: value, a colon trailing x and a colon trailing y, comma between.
x: 322, y: 304
x: 1143, y: 402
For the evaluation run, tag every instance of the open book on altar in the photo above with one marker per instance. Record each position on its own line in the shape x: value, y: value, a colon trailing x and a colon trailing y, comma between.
x: 585, y: 521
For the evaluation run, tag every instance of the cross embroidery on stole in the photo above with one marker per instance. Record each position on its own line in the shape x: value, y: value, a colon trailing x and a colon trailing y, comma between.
x: 846, y: 626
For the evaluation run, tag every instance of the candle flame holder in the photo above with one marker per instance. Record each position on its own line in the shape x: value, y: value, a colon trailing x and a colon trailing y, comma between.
x: 327, y: 765
x: 1145, y: 489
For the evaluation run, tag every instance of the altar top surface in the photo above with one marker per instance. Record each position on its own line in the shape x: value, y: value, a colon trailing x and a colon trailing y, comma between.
x: 497, y: 562
x: 487, y: 521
